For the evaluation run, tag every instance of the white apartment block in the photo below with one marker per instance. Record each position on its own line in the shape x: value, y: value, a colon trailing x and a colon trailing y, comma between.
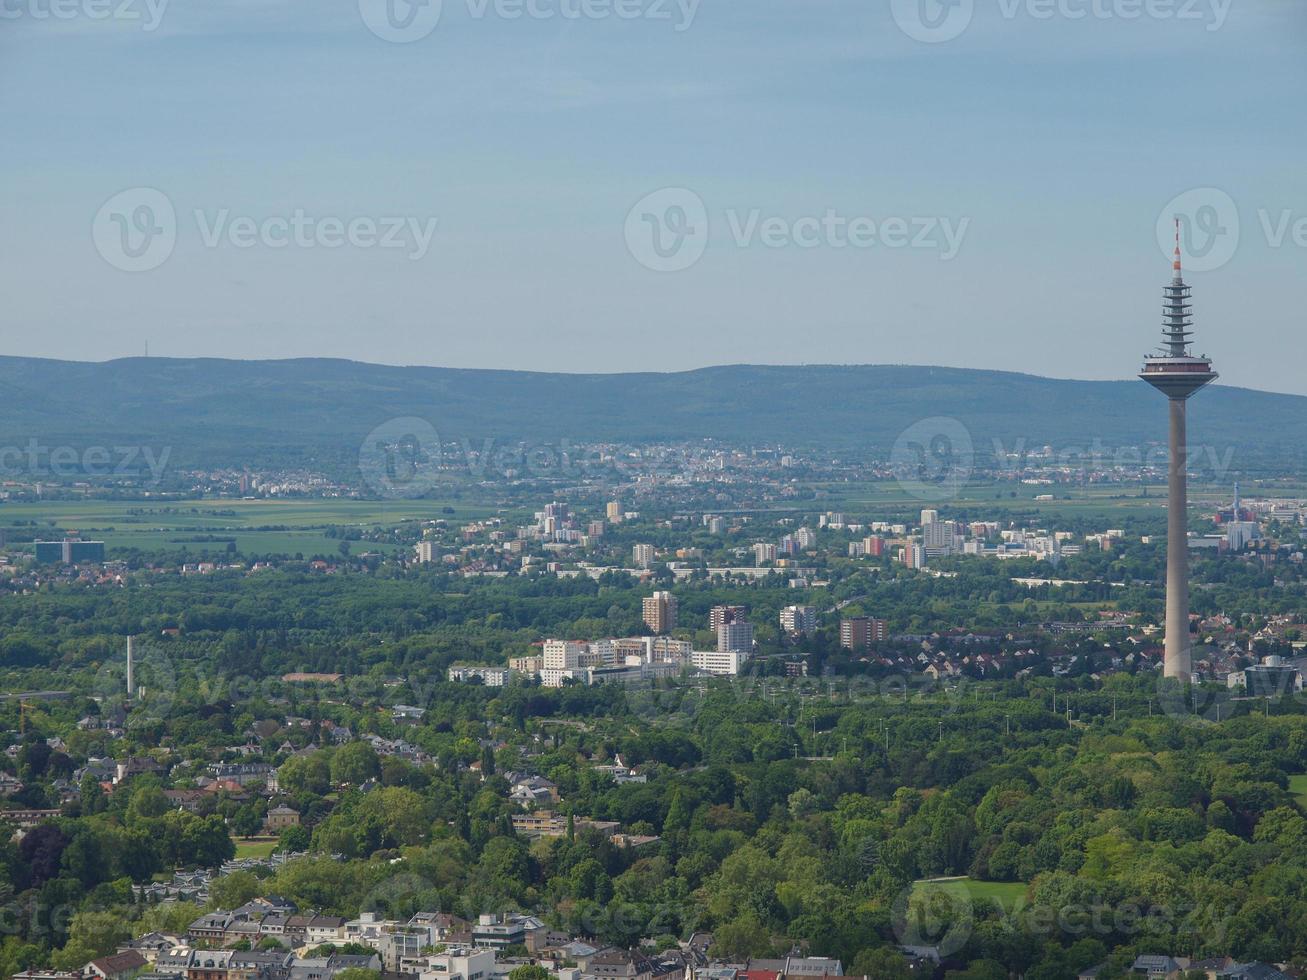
x: 719, y: 661
x: 572, y: 659
x: 460, y: 963
x: 800, y: 620
x: 490, y: 675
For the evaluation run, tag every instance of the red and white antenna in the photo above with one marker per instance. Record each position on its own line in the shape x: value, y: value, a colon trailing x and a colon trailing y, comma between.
x: 1176, y: 264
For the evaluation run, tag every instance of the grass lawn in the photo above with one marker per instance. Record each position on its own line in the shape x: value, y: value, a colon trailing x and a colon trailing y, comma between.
x: 1010, y: 895
x: 254, y: 848
x: 1298, y: 787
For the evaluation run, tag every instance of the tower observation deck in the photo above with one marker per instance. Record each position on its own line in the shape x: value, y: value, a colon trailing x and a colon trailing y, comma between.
x: 1174, y: 371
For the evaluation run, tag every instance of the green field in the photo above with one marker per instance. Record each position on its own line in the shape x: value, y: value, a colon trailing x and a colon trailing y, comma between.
x: 257, y: 527
x: 254, y: 848
x: 1298, y: 787
x: 1010, y: 895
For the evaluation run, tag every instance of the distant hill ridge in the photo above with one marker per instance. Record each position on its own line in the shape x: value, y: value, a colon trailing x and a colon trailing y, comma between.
x: 217, y: 410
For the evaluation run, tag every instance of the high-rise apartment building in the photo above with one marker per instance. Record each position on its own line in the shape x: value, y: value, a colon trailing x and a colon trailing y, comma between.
x: 914, y: 555
x: 725, y: 614
x: 938, y: 537
x: 861, y: 632
x: 799, y: 620
x: 660, y: 612
x: 643, y: 555
x: 735, y: 637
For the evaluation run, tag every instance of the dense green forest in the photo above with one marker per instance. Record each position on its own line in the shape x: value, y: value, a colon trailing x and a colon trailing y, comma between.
x: 1147, y: 834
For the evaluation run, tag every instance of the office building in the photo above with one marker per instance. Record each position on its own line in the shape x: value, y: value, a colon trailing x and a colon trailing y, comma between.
x: 69, y: 551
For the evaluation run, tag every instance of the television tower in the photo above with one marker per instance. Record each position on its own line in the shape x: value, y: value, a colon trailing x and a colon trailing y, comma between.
x: 1177, y: 374
x: 130, y: 669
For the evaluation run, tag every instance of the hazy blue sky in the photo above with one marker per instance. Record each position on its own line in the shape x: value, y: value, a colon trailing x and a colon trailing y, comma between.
x: 1029, y: 157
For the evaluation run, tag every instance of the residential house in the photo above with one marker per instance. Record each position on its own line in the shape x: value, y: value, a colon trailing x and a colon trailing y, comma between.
x: 620, y: 964
x: 530, y: 791
x: 259, y: 965
x: 325, y: 929
x: 509, y: 929
x: 209, y: 928
x: 209, y: 964
x: 118, y: 966
x: 280, y: 817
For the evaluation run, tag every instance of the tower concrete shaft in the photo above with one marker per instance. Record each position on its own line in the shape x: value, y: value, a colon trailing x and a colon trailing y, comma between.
x: 1179, y: 660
